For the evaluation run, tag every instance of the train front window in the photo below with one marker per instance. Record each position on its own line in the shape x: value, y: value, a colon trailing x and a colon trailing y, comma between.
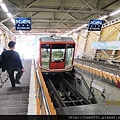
x: 45, y: 54
x: 58, y: 52
x: 69, y: 55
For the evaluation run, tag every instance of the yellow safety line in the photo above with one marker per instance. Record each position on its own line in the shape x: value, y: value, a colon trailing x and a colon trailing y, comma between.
x: 100, y: 73
x: 109, y: 76
x: 104, y: 74
x: 114, y: 78
x: 97, y: 72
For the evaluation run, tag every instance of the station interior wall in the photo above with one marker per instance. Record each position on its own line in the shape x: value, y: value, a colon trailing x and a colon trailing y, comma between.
x: 108, y: 33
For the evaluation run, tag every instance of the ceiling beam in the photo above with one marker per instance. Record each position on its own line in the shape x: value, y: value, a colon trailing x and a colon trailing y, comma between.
x: 32, y: 3
x: 56, y: 10
x: 61, y: 4
x: 88, y: 5
x: 9, y: 18
x: 98, y: 5
x: 11, y: 3
x: 72, y: 16
x: 35, y: 14
x: 109, y: 4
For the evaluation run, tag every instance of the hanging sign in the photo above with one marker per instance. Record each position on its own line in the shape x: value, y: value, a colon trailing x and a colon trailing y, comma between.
x: 23, y: 23
x: 95, y: 25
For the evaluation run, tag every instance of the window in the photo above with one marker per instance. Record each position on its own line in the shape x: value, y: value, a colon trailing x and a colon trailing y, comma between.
x: 58, y: 52
x: 45, y: 54
x: 69, y: 55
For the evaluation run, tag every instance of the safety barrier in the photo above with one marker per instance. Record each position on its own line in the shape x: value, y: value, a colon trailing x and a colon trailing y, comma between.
x: 43, y: 100
x: 113, y: 79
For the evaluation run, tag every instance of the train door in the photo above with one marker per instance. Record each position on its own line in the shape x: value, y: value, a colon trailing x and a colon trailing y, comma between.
x: 57, y: 56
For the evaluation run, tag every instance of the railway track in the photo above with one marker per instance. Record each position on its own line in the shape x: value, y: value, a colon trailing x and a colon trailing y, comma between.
x: 62, y: 93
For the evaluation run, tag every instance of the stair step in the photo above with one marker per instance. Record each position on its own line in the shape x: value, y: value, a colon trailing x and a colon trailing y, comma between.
x: 9, y: 103
x: 14, y: 101
x: 13, y: 110
x: 16, y: 90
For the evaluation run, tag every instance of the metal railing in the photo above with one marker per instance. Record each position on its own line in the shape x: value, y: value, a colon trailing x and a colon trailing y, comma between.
x: 46, y: 106
x: 3, y: 77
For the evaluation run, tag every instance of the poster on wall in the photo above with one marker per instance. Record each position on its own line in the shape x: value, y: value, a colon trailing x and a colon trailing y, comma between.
x: 115, y: 45
x: 95, y: 25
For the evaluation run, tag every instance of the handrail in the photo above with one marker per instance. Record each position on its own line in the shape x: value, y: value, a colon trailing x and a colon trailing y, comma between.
x: 46, y: 106
x: 3, y: 77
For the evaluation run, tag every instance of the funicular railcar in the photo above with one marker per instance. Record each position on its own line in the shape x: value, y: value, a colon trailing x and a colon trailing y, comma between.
x: 56, y: 54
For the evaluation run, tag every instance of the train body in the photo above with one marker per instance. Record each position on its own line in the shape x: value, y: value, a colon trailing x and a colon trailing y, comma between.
x: 56, y: 54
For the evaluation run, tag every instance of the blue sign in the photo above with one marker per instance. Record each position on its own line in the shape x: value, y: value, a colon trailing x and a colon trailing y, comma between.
x: 23, y: 23
x: 95, y: 25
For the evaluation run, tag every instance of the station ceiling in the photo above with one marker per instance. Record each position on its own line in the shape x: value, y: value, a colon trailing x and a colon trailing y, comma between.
x: 56, y: 16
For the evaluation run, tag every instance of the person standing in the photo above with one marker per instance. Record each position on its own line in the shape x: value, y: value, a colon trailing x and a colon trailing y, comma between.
x: 11, y: 62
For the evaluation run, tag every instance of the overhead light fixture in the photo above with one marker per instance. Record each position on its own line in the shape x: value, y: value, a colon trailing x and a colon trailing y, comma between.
x: 115, y: 12
x: 13, y: 21
x: 20, y: 32
x: 85, y: 25
x: 4, y: 7
x: 103, y: 17
x: 1, y: 2
x: 9, y: 15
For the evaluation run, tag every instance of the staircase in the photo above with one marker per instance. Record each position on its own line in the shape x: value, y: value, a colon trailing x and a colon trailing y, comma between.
x: 14, y: 101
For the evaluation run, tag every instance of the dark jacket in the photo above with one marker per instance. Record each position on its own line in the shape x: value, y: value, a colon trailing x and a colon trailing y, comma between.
x: 10, y: 60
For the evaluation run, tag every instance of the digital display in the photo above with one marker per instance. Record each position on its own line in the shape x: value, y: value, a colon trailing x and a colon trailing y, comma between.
x: 23, y: 23
x: 95, y: 25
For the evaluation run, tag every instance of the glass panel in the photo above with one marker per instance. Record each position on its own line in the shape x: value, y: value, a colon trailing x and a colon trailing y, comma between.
x: 57, y: 55
x: 45, y: 57
x: 69, y: 56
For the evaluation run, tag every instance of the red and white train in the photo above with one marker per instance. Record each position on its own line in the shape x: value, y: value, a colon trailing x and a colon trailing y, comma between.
x: 56, y: 54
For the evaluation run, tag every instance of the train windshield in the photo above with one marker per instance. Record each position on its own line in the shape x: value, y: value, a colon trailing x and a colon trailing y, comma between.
x: 58, y: 52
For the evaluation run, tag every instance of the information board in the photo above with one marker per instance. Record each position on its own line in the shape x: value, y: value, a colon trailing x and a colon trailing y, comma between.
x: 95, y: 25
x: 23, y: 23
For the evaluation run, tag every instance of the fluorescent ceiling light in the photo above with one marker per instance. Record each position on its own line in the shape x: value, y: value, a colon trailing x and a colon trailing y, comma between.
x: 20, y: 32
x: 4, y: 7
x: 13, y: 21
x: 103, y: 17
x: 1, y: 1
x: 9, y: 15
x: 114, y: 13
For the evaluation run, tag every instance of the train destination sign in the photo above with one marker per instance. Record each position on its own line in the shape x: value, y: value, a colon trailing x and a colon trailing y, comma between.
x: 95, y: 25
x: 23, y: 23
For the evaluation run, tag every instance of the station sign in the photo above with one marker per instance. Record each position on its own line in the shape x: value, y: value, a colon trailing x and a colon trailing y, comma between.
x: 95, y: 25
x: 23, y: 23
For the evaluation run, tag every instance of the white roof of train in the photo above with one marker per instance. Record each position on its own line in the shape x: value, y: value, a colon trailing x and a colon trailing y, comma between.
x: 57, y: 39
